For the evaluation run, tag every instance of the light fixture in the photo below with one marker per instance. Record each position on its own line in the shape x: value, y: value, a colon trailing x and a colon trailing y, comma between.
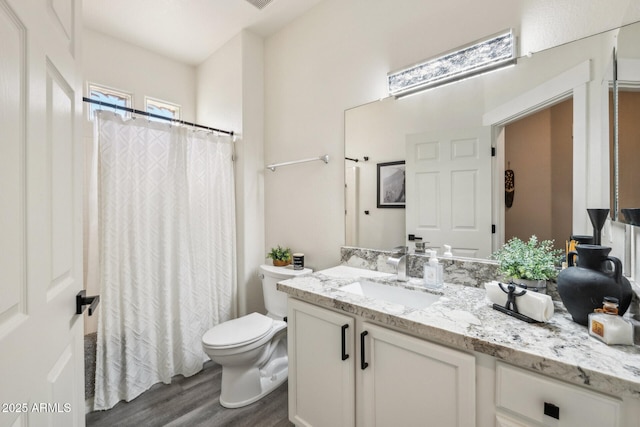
x: 494, y: 52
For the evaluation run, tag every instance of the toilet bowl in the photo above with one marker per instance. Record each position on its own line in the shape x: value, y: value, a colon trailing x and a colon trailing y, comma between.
x: 252, y: 349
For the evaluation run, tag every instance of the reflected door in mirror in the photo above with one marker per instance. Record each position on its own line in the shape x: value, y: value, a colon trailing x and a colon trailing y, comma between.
x: 449, y: 189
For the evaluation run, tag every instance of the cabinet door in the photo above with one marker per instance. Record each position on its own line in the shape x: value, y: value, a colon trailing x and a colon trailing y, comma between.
x: 406, y: 381
x: 321, y: 366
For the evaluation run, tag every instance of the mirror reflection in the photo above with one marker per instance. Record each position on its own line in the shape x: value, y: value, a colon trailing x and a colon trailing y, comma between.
x: 538, y: 115
x: 626, y: 135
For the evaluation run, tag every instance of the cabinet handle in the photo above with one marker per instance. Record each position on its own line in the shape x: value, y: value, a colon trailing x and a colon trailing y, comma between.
x: 363, y: 364
x: 345, y: 356
x: 552, y: 410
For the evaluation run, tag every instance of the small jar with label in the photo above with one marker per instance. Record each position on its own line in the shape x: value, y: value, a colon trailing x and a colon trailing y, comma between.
x: 608, y: 327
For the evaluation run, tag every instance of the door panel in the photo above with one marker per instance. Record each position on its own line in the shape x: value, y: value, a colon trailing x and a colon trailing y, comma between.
x: 41, y: 337
x: 60, y: 150
x: 12, y: 170
x: 61, y: 385
x: 464, y: 213
x: 427, y: 200
x: 449, y: 189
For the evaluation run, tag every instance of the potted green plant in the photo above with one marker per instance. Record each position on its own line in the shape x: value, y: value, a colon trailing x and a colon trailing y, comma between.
x: 530, y: 264
x: 280, y: 256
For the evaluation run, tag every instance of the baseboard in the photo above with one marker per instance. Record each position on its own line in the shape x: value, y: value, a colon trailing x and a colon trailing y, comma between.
x: 88, y: 405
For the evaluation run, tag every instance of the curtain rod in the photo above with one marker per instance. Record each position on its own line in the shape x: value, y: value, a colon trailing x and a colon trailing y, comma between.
x: 155, y: 116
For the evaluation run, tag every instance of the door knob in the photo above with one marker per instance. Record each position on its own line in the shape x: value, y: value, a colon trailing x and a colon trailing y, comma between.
x: 82, y: 300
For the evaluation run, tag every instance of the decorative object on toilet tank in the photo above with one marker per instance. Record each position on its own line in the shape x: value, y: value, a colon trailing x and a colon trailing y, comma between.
x: 298, y: 261
x: 281, y: 256
x: 585, y: 283
x: 529, y: 264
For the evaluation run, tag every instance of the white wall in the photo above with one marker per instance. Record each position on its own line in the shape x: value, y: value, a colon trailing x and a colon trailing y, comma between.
x: 231, y: 95
x: 371, y: 130
x: 119, y: 65
x: 219, y: 87
x: 126, y: 67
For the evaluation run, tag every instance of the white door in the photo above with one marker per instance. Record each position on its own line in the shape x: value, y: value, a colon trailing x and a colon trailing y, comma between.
x: 407, y: 381
x: 448, y: 186
x: 41, y: 337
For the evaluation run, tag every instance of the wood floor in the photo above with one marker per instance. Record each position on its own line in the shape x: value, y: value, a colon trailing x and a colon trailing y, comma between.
x: 193, y: 402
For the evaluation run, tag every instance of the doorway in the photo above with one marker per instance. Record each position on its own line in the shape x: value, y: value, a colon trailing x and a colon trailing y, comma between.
x: 538, y: 155
x: 571, y: 84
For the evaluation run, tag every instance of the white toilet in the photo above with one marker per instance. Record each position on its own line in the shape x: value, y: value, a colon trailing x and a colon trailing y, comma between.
x: 252, y: 349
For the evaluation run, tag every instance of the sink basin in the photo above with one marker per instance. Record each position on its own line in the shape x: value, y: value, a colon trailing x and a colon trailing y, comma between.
x: 342, y: 271
x: 393, y: 294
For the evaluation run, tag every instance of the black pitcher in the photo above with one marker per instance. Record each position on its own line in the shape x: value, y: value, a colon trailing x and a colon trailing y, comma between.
x: 597, y: 275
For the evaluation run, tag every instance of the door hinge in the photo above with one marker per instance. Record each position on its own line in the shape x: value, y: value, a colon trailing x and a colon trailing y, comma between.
x: 493, y: 151
x: 493, y: 229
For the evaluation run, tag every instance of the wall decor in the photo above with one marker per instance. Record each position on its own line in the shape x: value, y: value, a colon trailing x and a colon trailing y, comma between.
x: 509, y: 186
x: 391, y: 184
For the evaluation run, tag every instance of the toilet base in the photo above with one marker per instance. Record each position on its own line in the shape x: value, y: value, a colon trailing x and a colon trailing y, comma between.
x: 242, y: 386
x: 233, y: 400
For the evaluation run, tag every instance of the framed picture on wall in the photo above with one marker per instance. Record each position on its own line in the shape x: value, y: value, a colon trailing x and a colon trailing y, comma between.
x: 391, y: 185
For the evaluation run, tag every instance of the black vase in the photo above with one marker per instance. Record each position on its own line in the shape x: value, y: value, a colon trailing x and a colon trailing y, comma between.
x: 597, y: 275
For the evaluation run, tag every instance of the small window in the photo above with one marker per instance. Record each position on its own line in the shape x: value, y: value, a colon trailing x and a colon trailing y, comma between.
x: 108, y: 96
x: 161, y: 108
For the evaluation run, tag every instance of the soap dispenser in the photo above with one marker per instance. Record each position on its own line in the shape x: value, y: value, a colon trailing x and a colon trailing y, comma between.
x: 433, y: 272
x: 447, y: 251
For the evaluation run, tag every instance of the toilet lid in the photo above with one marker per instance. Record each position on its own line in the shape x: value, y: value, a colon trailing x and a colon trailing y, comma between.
x: 243, y: 330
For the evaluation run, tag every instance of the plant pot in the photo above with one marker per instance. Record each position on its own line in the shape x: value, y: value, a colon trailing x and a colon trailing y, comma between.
x: 539, y: 286
x: 281, y: 263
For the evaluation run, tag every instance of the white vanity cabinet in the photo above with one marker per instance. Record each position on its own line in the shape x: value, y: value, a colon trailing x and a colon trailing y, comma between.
x: 527, y: 399
x: 344, y: 371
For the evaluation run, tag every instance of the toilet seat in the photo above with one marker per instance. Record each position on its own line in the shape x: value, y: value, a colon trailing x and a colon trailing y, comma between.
x: 238, y: 332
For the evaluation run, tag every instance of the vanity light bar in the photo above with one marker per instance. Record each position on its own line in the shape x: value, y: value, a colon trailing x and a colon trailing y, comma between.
x: 497, y: 51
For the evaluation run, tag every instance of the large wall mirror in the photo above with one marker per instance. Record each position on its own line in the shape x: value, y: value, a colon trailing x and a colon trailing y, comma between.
x: 625, y: 134
x: 546, y: 116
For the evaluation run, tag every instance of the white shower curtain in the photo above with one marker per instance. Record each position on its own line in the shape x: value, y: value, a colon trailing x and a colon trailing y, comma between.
x: 166, y: 250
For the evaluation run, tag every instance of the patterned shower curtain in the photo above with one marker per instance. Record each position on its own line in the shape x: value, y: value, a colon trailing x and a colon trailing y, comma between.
x: 166, y: 248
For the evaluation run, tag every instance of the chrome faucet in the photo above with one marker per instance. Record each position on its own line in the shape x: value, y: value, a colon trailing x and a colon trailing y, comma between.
x: 399, y: 260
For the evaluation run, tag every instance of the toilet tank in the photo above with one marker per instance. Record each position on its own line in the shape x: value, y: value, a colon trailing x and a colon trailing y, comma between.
x: 275, y: 301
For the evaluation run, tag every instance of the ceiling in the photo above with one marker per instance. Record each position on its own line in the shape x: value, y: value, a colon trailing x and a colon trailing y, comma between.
x: 188, y: 31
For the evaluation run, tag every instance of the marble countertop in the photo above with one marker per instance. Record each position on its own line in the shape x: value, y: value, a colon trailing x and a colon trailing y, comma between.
x: 463, y: 318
